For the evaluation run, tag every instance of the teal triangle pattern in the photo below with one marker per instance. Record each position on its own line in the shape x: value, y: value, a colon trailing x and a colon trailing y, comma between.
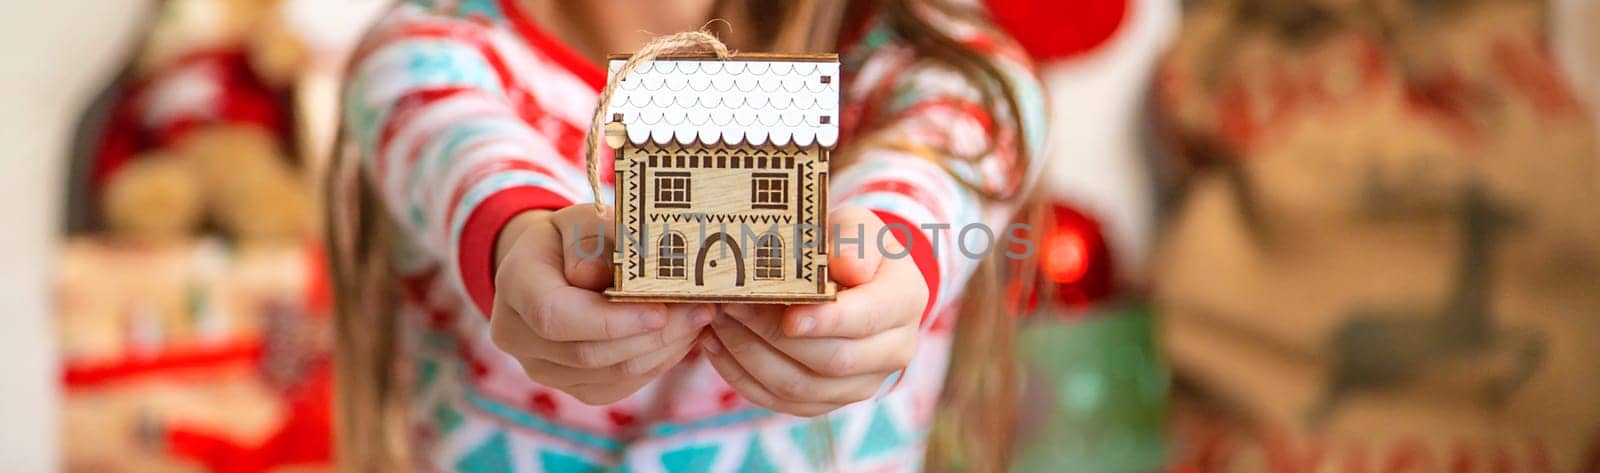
x: 882, y: 436
x: 813, y: 442
x: 486, y: 9
x: 801, y: 435
x: 557, y: 462
x: 756, y: 459
x: 427, y: 370
x: 446, y: 418
x: 493, y: 456
x: 693, y: 459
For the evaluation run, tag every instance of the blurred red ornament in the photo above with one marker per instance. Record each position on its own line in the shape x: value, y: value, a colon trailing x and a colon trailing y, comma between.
x: 1060, y: 29
x: 1066, y: 257
x: 1076, y: 258
x: 1074, y: 265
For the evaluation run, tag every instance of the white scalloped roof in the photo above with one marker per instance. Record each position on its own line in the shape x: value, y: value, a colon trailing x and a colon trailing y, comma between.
x: 734, y: 101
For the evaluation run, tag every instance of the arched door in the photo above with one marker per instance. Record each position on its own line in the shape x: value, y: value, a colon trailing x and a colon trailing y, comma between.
x: 718, y: 253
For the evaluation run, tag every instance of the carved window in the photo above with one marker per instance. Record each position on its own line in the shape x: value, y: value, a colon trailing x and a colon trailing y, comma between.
x: 672, y: 190
x: 769, y: 257
x: 769, y: 190
x: 670, y: 258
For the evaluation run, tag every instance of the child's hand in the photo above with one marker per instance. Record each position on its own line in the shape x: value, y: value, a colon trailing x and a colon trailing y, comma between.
x: 808, y: 360
x: 550, y: 314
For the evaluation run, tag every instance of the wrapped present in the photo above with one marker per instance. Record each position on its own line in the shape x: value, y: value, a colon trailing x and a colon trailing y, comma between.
x: 193, y: 357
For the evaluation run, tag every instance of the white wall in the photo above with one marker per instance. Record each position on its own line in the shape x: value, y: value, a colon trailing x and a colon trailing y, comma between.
x: 1096, y: 158
x: 53, y: 55
x: 1576, y: 35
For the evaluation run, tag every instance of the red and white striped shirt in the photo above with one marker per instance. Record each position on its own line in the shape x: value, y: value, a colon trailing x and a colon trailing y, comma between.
x: 469, y: 114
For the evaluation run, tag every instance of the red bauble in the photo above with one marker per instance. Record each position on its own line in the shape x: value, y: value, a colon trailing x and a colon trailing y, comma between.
x: 1060, y: 29
x: 1075, y: 257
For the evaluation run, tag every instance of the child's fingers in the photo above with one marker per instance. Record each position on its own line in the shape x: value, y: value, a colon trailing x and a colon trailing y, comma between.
x: 608, y: 385
x: 887, y: 350
x: 603, y: 393
x: 535, y: 287
x: 586, y: 245
x: 765, y: 320
x: 683, y: 323
x: 752, y: 390
x: 647, y: 366
x: 877, y: 354
x: 784, y: 377
x: 754, y: 311
x: 893, y: 299
x: 570, y: 314
x: 590, y: 274
x: 651, y: 365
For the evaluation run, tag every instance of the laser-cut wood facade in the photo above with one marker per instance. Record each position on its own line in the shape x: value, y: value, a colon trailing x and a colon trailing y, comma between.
x: 722, y: 177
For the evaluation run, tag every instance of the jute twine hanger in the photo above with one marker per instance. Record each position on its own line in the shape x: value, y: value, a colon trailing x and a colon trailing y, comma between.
x: 686, y: 42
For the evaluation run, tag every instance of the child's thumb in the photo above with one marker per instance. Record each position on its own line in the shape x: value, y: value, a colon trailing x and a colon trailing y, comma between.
x: 857, y: 250
x: 587, y: 243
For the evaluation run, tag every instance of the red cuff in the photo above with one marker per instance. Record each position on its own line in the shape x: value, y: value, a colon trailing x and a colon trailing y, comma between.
x: 921, y: 254
x: 482, y: 230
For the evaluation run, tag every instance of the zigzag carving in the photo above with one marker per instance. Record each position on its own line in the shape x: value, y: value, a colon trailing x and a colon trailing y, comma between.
x: 635, y: 271
x: 652, y: 148
x: 807, y: 212
x: 720, y: 218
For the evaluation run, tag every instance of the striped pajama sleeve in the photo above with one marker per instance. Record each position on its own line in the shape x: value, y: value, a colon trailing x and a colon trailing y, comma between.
x: 899, y: 176
x: 450, y: 158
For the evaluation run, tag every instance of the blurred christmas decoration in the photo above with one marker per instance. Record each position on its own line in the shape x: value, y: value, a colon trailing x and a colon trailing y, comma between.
x: 193, y: 314
x: 245, y: 93
x: 1073, y: 271
x: 1075, y: 258
x: 192, y: 355
x: 1097, y: 59
x: 211, y: 102
x: 1384, y: 242
x: 1094, y: 395
x: 1055, y: 30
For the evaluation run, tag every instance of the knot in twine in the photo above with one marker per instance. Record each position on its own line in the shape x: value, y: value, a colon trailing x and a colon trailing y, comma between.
x: 686, y: 42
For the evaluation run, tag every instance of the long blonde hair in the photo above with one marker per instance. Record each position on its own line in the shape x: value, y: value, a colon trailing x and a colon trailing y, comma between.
x: 976, y: 418
x: 371, y: 400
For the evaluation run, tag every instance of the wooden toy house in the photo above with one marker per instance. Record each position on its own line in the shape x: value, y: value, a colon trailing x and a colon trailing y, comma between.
x: 722, y: 177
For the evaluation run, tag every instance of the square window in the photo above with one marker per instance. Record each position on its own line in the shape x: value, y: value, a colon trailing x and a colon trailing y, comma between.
x: 672, y: 190
x: 769, y: 191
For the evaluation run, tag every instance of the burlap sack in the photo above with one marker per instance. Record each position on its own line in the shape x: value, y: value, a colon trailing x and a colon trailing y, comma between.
x: 1386, y: 256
